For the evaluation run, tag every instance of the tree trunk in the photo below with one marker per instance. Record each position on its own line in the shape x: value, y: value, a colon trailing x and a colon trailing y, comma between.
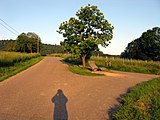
x: 31, y: 50
x: 84, y: 60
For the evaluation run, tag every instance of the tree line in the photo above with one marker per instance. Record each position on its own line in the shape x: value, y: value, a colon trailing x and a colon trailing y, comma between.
x: 29, y: 43
x: 9, y: 45
x: 25, y: 42
x: 146, y: 47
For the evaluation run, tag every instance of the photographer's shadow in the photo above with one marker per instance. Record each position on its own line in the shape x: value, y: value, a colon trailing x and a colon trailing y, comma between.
x: 60, y: 110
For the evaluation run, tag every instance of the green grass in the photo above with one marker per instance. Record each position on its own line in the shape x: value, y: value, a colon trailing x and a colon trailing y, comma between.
x: 82, y: 71
x: 12, y: 63
x: 10, y: 58
x: 142, y: 102
x: 127, y: 65
x: 138, y: 66
x: 147, y: 67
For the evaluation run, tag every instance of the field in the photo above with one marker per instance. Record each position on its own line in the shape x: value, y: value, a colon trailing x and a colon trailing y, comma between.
x: 147, y: 67
x: 119, y: 64
x: 12, y: 62
x: 141, y: 103
x: 10, y: 58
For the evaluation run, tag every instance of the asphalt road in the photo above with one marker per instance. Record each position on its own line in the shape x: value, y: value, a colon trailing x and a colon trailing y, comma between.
x: 48, y: 91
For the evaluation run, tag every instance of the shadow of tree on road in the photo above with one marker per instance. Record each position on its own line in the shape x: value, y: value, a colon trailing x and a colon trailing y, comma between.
x: 60, y: 109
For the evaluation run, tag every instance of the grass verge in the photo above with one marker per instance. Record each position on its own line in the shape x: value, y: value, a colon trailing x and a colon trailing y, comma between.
x: 82, y: 71
x: 9, y: 71
x: 138, y: 66
x: 142, y: 102
x: 10, y: 58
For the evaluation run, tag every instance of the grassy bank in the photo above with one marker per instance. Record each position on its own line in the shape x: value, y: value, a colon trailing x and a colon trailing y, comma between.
x: 148, y: 67
x: 141, y: 103
x: 10, y: 58
x: 78, y: 70
x: 12, y: 63
x: 82, y: 71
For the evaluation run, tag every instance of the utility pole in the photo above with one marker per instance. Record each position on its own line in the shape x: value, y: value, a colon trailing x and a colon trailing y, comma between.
x: 38, y: 45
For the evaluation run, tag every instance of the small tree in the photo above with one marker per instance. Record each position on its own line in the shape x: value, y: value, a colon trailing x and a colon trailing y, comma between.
x: 83, y: 34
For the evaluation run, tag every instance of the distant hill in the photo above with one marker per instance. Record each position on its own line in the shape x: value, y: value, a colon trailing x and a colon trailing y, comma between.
x: 50, y: 49
x: 101, y: 54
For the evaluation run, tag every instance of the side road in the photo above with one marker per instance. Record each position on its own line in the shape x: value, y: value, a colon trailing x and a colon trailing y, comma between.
x: 31, y: 94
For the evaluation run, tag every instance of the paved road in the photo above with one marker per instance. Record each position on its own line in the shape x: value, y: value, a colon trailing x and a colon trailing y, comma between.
x: 32, y: 94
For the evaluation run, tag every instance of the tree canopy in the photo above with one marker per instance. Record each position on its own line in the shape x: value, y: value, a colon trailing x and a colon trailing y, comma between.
x: 147, y: 47
x: 83, y: 34
x: 28, y: 42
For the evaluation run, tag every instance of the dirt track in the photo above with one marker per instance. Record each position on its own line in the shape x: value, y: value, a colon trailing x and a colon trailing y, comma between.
x: 27, y: 96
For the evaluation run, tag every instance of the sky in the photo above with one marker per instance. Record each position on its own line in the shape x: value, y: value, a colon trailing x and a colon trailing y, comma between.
x: 130, y: 18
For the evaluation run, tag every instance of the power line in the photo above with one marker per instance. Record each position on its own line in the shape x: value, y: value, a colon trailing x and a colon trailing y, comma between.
x: 9, y: 26
x: 8, y: 29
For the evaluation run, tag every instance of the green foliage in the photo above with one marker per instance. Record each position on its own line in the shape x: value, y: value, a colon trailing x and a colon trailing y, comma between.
x: 83, y: 34
x: 51, y: 49
x: 82, y: 71
x: 147, y: 47
x: 28, y: 42
x: 139, y: 66
x: 11, y: 46
x: 141, y: 102
x: 7, y: 45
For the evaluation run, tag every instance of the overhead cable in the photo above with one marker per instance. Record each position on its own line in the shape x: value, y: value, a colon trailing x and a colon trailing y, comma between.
x: 8, y: 29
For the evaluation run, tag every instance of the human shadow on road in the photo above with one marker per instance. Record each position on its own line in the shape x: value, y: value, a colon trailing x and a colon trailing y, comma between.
x: 60, y: 109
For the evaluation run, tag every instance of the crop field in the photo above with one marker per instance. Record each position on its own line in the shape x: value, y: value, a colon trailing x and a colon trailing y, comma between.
x: 12, y: 62
x: 10, y: 58
x: 129, y: 65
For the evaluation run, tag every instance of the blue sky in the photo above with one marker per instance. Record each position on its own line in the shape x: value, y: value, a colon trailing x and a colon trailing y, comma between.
x: 130, y: 18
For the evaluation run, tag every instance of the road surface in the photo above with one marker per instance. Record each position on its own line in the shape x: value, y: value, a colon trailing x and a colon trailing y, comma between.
x: 41, y: 91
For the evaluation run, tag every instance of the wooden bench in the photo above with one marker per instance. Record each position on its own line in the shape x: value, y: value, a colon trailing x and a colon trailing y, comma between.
x: 94, y: 67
